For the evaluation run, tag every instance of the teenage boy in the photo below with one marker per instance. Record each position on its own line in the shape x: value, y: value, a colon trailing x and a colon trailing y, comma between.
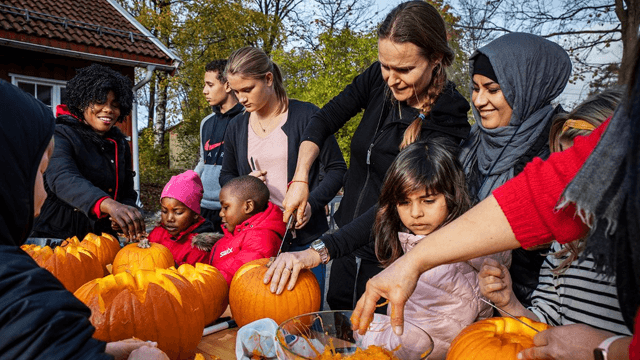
x: 212, y: 129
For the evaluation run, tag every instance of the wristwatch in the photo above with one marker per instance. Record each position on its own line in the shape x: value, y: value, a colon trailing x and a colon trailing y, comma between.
x: 321, y: 249
x: 600, y: 353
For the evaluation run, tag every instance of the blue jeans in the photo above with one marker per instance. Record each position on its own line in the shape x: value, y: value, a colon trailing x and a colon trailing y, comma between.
x: 319, y: 271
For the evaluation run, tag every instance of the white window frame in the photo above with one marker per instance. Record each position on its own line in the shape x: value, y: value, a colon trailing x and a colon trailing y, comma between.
x: 55, y: 84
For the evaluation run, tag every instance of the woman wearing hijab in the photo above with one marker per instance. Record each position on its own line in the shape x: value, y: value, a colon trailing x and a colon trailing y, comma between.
x: 514, y: 80
x: 39, y: 318
x: 598, y: 178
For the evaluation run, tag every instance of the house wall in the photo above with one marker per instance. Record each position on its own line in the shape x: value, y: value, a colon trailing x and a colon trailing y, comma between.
x: 54, y: 67
x: 178, y: 144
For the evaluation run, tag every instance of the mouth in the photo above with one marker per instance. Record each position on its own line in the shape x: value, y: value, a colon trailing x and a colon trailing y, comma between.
x: 171, y: 228
x: 105, y: 120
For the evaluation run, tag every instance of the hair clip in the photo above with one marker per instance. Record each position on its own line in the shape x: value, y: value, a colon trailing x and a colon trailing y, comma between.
x: 421, y: 116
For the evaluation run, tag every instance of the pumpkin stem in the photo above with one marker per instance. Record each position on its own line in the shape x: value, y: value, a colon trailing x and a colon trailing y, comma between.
x: 144, y: 244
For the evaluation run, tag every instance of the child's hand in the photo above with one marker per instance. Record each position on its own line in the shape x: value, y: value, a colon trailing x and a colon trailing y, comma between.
x: 495, y: 282
x: 260, y: 174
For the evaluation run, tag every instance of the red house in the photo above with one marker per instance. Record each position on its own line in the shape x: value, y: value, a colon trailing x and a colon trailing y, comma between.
x: 44, y: 42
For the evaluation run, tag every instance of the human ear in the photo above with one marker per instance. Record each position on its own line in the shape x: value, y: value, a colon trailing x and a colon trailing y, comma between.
x: 227, y: 87
x: 249, y: 206
x: 269, y: 78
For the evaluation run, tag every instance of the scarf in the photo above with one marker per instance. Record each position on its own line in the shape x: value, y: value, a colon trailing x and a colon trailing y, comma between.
x: 606, y: 193
x: 531, y: 71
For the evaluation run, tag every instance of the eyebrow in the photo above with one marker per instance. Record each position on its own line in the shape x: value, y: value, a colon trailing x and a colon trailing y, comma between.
x: 408, y: 67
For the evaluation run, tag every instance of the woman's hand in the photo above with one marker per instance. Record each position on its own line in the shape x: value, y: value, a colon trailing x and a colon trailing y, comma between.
x: 495, y: 283
x: 148, y: 353
x: 575, y: 342
x: 287, y: 266
x: 128, y: 218
x: 395, y: 283
x: 121, y: 350
x: 307, y: 216
x: 296, y: 199
x: 260, y: 174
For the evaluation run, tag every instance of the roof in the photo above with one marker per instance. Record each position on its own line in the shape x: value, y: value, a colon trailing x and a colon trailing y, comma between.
x: 97, y: 30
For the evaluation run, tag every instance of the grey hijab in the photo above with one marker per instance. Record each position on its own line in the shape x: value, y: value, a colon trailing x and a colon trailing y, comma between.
x: 531, y: 71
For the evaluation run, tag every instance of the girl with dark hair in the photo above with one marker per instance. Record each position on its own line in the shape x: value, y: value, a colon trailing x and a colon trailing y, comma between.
x: 89, y: 181
x: 406, y: 97
x: 264, y: 142
x: 423, y: 190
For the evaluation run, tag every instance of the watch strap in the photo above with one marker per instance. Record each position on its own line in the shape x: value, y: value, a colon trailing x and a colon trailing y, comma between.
x: 601, y: 352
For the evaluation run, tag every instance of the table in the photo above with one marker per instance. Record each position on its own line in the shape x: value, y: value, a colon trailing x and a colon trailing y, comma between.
x: 220, y: 345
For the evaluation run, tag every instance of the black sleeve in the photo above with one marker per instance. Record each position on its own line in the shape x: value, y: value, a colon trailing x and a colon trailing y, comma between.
x: 351, y: 236
x: 229, y: 162
x: 328, y: 120
x: 334, y: 167
x: 39, y: 318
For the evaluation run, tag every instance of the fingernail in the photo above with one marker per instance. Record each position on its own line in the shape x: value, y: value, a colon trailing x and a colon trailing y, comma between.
x: 520, y: 356
x: 397, y: 330
x: 273, y: 289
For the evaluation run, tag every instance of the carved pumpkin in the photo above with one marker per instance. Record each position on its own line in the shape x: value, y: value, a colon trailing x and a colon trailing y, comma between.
x: 73, y: 265
x: 142, y: 256
x: 209, y: 283
x: 250, y: 299
x: 104, y: 247
x: 157, y: 305
x: 494, y: 338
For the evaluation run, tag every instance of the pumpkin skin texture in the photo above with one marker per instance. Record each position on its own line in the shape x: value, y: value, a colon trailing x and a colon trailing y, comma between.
x: 209, y: 283
x: 495, y: 338
x: 250, y: 299
x: 73, y: 265
x: 104, y: 247
x: 132, y: 257
x: 156, y: 305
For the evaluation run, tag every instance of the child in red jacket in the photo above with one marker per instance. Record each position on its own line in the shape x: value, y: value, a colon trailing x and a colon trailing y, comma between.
x: 252, y: 225
x: 181, y: 220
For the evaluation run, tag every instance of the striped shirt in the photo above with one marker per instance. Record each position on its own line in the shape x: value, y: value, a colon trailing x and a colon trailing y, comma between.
x: 577, y: 296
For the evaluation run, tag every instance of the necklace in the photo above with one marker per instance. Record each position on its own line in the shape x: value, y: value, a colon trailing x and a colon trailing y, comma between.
x: 264, y: 130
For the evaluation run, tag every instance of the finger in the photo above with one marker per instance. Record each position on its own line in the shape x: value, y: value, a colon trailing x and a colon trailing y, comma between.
x: 397, y: 317
x: 284, y: 277
x: 287, y: 213
x: 364, y: 310
x: 277, y: 277
x: 300, y: 213
x: 271, y: 269
x: 537, y: 353
x: 294, y: 276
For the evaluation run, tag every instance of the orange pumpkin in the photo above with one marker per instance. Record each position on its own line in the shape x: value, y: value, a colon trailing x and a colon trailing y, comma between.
x: 494, y: 338
x: 250, y: 299
x: 138, y: 257
x: 157, y: 305
x: 209, y: 283
x: 73, y: 265
x: 104, y: 247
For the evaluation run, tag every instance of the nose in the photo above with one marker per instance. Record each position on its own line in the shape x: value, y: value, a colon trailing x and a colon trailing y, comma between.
x: 393, y: 79
x: 416, y: 210
x: 204, y: 90
x: 479, y: 99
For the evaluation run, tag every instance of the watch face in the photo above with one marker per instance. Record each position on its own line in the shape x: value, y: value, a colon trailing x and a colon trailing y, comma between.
x: 599, y: 354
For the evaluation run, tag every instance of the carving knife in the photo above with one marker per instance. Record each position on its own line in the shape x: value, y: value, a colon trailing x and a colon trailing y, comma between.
x: 292, y: 220
x: 509, y: 315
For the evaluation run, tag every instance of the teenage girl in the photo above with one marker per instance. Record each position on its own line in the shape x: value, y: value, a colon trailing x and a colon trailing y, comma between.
x: 423, y: 190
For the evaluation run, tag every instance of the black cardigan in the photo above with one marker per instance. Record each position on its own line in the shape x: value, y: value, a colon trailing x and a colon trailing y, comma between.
x: 330, y: 168
x: 375, y: 145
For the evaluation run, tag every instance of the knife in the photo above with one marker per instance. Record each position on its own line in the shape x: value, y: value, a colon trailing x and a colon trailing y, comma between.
x: 287, y: 229
x: 509, y: 315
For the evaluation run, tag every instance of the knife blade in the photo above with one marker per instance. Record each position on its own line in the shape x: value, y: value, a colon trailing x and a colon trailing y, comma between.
x: 509, y: 315
x: 287, y: 229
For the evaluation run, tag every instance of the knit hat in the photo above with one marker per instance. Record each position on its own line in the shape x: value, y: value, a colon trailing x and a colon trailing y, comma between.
x: 186, y: 188
x: 482, y: 66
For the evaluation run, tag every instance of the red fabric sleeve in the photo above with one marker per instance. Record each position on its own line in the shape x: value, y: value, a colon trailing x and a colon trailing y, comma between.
x: 96, y: 208
x: 634, y: 347
x: 257, y: 244
x: 529, y: 199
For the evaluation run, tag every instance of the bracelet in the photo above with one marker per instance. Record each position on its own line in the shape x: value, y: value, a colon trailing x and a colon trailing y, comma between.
x: 294, y: 181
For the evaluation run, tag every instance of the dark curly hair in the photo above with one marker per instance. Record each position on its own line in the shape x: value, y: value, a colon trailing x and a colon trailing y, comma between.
x: 92, y: 84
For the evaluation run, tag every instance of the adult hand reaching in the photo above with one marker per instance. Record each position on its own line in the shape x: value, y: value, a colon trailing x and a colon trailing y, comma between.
x: 128, y: 218
x: 395, y: 283
x: 121, y: 350
x: 575, y: 342
x: 287, y: 266
x: 296, y: 200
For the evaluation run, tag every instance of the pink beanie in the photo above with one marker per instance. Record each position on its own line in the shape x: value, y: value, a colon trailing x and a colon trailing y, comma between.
x: 186, y: 188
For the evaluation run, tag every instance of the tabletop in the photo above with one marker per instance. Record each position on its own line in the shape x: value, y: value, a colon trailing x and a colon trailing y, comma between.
x: 219, y: 346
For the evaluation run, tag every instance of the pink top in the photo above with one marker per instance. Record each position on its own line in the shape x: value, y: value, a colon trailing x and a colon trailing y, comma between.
x: 270, y: 155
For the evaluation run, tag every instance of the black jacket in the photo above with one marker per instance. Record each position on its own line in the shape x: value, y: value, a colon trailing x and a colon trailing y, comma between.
x: 331, y: 160
x: 39, y: 318
x: 84, y: 168
x: 375, y: 145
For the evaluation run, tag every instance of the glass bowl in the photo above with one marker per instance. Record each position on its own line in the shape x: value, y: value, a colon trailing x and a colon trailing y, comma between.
x: 306, y: 336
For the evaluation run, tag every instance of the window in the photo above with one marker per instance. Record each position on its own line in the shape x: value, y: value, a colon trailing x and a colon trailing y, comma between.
x: 50, y: 92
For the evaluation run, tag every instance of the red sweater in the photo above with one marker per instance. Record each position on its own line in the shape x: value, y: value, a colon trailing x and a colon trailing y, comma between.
x: 258, y: 237
x: 528, y: 201
x: 180, y: 246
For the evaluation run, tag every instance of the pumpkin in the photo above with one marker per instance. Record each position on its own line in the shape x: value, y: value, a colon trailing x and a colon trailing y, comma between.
x: 142, y: 256
x: 250, y: 299
x: 73, y: 265
x: 104, y: 247
x: 156, y: 305
x: 494, y: 338
x: 209, y: 283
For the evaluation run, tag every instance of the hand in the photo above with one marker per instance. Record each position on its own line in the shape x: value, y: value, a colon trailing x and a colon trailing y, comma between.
x: 495, y: 283
x: 395, y: 283
x: 120, y: 350
x: 128, y: 218
x: 305, y: 219
x: 296, y: 199
x: 148, y: 353
x: 262, y: 175
x: 574, y: 342
x: 287, y: 266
